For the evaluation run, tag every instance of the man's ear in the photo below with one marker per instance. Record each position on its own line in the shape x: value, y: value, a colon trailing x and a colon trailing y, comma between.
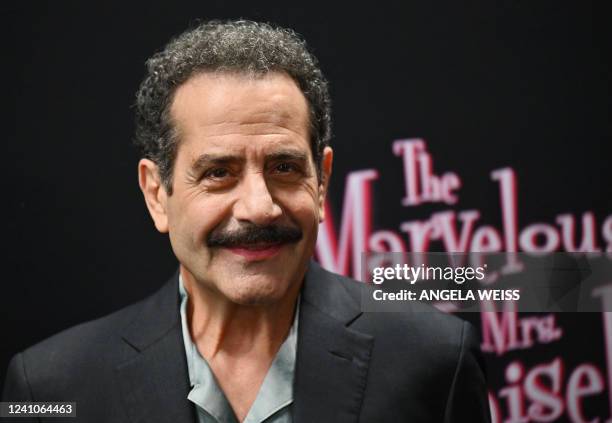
x: 326, y: 171
x: 154, y: 192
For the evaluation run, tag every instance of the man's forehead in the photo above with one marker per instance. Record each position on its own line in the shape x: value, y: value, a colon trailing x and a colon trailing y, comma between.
x: 222, y: 101
x: 239, y: 116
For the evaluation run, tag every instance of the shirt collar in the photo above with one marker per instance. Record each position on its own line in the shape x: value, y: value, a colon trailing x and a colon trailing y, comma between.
x: 275, y: 393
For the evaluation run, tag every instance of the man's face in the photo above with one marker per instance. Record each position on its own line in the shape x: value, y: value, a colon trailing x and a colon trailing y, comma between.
x: 246, y: 201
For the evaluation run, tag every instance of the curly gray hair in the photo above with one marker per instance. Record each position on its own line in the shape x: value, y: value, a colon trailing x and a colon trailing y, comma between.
x: 230, y: 46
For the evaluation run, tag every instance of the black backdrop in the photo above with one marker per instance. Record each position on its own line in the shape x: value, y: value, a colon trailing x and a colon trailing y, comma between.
x: 487, y: 84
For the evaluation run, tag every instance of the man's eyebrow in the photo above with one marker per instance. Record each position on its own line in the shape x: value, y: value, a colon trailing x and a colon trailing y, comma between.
x: 215, y: 159
x: 208, y: 159
x: 295, y: 155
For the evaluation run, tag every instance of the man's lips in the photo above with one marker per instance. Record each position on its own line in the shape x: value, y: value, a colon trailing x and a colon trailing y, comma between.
x: 256, y: 251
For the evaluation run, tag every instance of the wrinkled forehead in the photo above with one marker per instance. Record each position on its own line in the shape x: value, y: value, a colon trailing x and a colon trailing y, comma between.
x: 221, y: 103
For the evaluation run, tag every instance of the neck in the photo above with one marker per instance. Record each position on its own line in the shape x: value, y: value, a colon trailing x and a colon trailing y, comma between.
x: 220, y: 327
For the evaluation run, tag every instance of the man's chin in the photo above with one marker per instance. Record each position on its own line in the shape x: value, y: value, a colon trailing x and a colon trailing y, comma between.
x: 258, y: 295
x: 259, y: 283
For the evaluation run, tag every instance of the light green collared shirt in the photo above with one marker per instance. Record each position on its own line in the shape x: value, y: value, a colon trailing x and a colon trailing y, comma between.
x: 274, y: 400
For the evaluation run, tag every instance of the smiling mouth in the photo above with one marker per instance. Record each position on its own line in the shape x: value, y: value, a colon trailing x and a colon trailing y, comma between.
x: 255, y: 252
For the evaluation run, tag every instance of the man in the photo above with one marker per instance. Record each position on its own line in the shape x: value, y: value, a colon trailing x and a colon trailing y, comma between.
x: 233, y: 121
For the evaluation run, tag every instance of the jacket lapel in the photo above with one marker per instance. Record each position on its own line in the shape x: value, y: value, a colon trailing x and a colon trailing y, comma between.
x: 332, y: 359
x: 154, y: 379
x: 331, y: 365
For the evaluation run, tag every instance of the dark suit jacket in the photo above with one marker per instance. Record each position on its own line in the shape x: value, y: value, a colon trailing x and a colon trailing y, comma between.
x: 351, y: 366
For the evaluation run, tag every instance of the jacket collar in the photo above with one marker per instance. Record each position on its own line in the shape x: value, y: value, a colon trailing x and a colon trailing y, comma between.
x: 331, y: 364
x: 332, y: 359
x: 158, y: 315
x: 154, y: 380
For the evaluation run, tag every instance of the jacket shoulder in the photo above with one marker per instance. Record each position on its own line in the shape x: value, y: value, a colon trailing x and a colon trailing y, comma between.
x: 428, y: 334
x: 83, y: 354
x: 431, y: 359
x: 84, y: 337
x: 416, y: 314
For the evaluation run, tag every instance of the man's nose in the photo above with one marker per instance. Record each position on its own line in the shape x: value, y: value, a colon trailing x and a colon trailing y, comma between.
x: 255, y: 203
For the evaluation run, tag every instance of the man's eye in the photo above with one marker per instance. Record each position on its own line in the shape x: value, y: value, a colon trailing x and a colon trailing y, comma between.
x: 216, y: 173
x: 286, y: 168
